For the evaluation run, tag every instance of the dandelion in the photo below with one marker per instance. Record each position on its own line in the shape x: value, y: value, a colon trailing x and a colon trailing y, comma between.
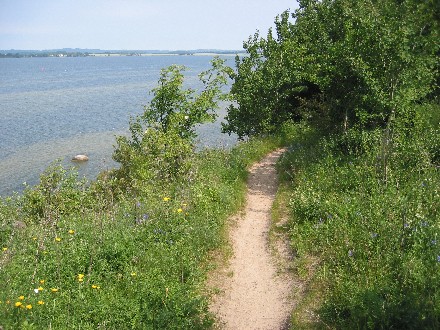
x: 166, y: 199
x: 18, y: 304
x: 21, y: 298
x: 58, y: 239
x: 40, y: 302
x: 71, y: 232
x: 179, y: 210
x: 5, y: 248
x: 54, y: 290
x: 29, y: 306
x: 40, y: 288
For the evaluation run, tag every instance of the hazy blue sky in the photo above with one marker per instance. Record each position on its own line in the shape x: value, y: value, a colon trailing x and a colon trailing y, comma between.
x: 135, y: 24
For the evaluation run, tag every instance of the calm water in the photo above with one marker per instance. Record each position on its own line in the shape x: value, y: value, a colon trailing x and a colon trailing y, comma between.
x: 55, y: 108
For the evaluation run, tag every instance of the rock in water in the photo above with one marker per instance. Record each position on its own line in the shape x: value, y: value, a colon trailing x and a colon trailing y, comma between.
x: 80, y: 158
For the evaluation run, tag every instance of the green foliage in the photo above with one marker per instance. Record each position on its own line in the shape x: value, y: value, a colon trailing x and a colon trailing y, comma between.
x: 376, y: 241
x: 341, y: 64
x: 141, y: 256
x: 162, y: 138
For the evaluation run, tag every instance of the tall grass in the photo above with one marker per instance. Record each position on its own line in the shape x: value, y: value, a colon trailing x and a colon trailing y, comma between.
x: 364, y: 223
x: 78, y: 255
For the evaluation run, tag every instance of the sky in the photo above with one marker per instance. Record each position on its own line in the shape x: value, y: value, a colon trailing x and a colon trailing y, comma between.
x: 135, y: 24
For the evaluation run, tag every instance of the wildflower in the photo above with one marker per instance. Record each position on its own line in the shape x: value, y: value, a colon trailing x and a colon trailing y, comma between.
x: 42, y: 281
x: 80, y: 277
x: 58, y: 239
x: 29, y: 306
x: 5, y: 248
x: 37, y: 290
x: 166, y: 199
x: 18, y: 304
x: 350, y: 253
x: 21, y: 298
x: 94, y: 286
x: 34, y: 238
x: 434, y: 242
x: 54, y: 290
x: 133, y: 274
x: 71, y: 232
x: 40, y: 302
x: 179, y: 210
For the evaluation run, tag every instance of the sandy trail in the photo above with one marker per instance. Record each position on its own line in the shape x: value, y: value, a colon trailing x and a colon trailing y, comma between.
x: 254, y: 297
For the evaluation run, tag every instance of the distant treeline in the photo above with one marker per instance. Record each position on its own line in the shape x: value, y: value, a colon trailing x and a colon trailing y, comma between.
x: 68, y: 52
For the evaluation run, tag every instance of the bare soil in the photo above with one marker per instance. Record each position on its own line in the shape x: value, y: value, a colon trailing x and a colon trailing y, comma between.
x: 253, y: 293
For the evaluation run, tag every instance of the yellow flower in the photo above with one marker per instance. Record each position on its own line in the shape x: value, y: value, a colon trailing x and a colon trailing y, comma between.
x: 34, y: 238
x: 71, y: 232
x: 18, y: 304
x: 54, y: 290
x: 40, y: 288
x: 40, y: 302
x: 80, y: 280
x: 58, y: 239
x: 42, y: 281
x: 80, y: 277
x: 21, y: 298
x: 95, y: 286
x: 133, y: 274
x: 179, y: 210
x: 166, y: 199
x: 5, y: 248
x: 29, y: 306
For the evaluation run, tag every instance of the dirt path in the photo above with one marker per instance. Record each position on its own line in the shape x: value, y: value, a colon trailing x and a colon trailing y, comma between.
x: 252, y: 294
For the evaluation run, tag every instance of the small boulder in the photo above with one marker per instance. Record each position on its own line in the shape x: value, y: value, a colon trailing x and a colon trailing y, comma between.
x: 80, y: 158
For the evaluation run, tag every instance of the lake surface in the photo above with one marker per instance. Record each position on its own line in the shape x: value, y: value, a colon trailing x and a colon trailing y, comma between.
x: 55, y: 108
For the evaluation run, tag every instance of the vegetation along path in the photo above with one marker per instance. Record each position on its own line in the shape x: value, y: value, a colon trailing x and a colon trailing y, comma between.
x: 254, y: 296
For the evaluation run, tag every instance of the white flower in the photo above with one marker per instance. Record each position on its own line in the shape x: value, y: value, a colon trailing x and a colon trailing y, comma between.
x: 186, y: 117
x: 36, y: 290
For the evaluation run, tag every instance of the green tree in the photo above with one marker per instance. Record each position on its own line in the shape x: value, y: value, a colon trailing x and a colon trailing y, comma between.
x: 163, y: 136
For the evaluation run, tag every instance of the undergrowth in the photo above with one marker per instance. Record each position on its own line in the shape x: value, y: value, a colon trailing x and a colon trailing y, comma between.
x: 368, y: 211
x: 83, y: 257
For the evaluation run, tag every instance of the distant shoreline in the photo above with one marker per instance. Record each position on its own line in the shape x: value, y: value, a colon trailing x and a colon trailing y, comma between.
x: 68, y: 52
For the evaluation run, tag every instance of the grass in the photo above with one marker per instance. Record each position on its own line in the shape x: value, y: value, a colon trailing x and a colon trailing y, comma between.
x: 78, y: 255
x: 368, y: 219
